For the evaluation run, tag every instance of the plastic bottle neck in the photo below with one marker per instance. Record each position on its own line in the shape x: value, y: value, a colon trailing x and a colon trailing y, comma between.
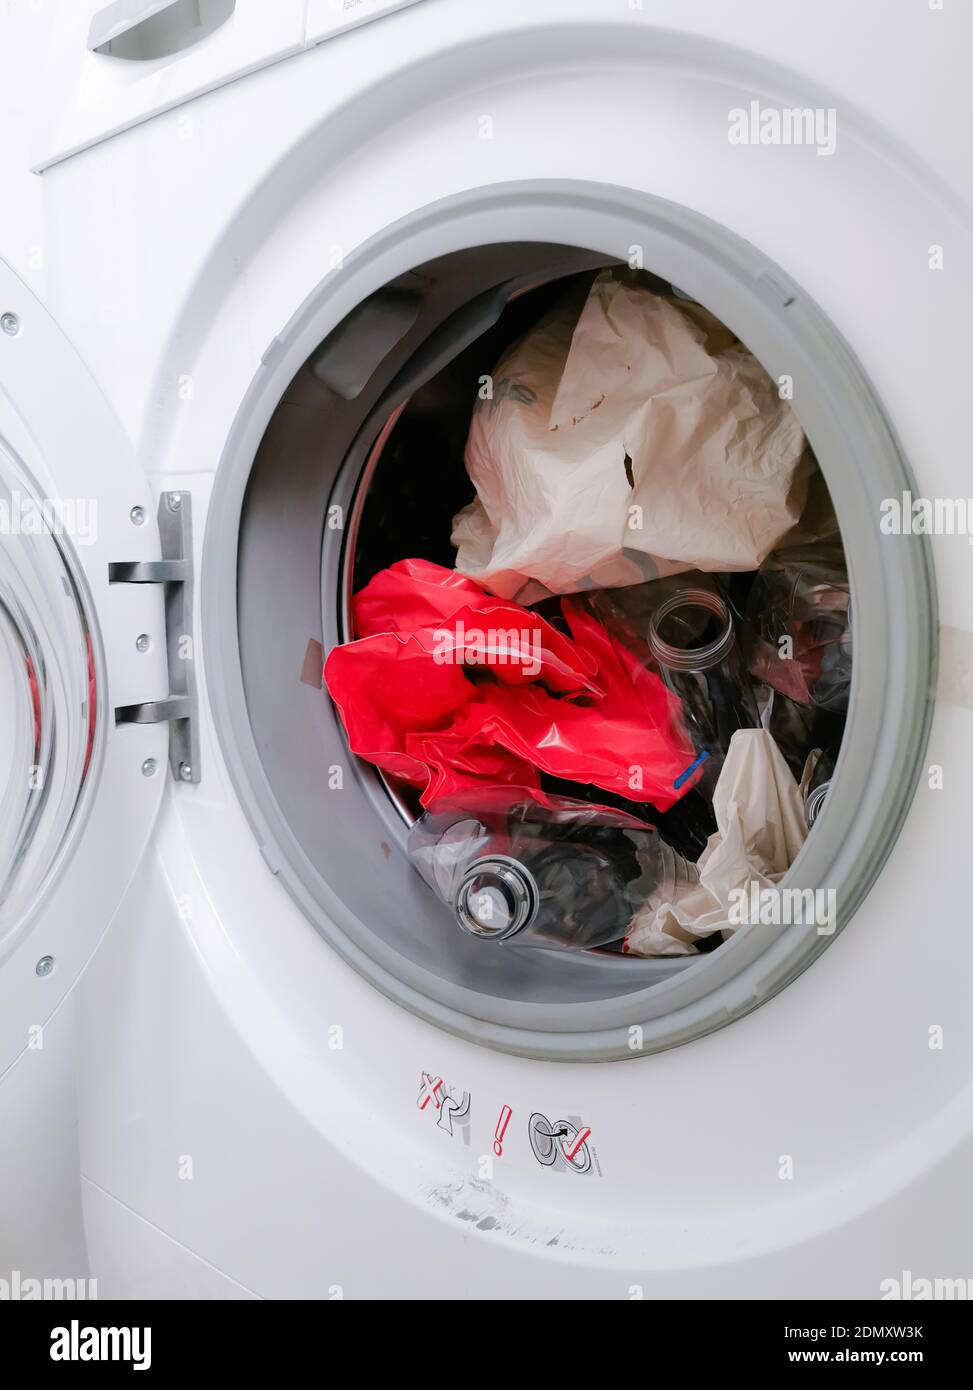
x: 692, y: 658
x: 497, y: 898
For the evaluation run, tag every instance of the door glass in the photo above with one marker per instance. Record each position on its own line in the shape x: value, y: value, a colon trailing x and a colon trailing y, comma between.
x: 47, y: 694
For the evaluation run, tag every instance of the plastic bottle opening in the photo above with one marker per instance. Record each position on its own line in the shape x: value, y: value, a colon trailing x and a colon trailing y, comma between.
x: 679, y: 616
x: 496, y: 899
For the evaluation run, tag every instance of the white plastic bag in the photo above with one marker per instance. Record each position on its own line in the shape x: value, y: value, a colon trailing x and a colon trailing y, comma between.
x: 759, y: 811
x: 638, y: 440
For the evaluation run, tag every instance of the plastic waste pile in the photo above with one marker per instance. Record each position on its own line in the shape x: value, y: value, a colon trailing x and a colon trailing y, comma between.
x: 625, y: 703
x: 546, y: 871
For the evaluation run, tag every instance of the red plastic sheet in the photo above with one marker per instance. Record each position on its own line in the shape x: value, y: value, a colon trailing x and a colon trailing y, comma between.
x: 449, y: 688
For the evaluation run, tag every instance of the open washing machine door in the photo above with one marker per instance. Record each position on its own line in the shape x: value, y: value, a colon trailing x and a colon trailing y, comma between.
x: 83, y: 666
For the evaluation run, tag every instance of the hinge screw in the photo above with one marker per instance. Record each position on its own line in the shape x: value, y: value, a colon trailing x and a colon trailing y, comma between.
x: 143, y: 642
x: 45, y: 966
x: 149, y: 767
x: 137, y: 516
x: 10, y: 324
x: 185, y: 772
x: 175, y: 501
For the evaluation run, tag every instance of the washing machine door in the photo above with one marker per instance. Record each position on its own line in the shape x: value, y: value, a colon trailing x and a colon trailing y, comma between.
x: 79, y: 793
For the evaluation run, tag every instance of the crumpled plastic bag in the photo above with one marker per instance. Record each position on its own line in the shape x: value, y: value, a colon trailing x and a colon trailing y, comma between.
x: 638, y: 440
x: 759, y: 812
x: 802, y: 595
x: 576, y: 707
x: 421, y: 598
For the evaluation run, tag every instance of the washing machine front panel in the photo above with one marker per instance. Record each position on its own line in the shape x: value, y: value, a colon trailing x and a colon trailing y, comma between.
x: 708, y: 1154
x: 75, y: 808
x: 769, y: 1077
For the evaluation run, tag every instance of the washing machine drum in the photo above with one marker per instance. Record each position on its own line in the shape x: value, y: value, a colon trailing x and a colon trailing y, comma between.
x: 360, y: 466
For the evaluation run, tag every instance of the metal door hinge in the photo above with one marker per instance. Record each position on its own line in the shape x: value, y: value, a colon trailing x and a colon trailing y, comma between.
x: 175, y: 573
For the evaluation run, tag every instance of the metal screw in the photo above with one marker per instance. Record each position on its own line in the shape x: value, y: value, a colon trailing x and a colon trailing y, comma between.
x: 45, y: 966
x: 143, y: 642
x: 10, y: 324
x: 175, y: 501
x: 137, y: 516
x: 185, y: 772
x: 150, y: 767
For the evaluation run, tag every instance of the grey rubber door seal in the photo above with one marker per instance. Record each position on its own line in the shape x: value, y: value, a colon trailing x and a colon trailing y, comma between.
x: 338, y: 856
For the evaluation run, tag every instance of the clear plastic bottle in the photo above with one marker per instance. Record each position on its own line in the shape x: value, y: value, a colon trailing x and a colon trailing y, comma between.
x: 692, y: 637
x: 560, y: 873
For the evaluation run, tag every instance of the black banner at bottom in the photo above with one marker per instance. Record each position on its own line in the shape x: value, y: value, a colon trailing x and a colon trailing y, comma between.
x: 172, y: 1340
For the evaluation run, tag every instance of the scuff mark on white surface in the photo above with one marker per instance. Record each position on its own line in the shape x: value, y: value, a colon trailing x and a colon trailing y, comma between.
x: 482, y: 1206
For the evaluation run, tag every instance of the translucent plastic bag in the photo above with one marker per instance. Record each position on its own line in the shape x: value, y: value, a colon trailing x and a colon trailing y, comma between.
x: 761, y: 824
x: 798, y: 626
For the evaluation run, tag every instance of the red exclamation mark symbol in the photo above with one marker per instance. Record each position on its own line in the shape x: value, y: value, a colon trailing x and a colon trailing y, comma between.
x: 501, y: 1130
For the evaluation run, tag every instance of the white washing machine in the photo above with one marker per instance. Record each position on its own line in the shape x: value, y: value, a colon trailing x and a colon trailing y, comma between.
x: 237, y: 240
